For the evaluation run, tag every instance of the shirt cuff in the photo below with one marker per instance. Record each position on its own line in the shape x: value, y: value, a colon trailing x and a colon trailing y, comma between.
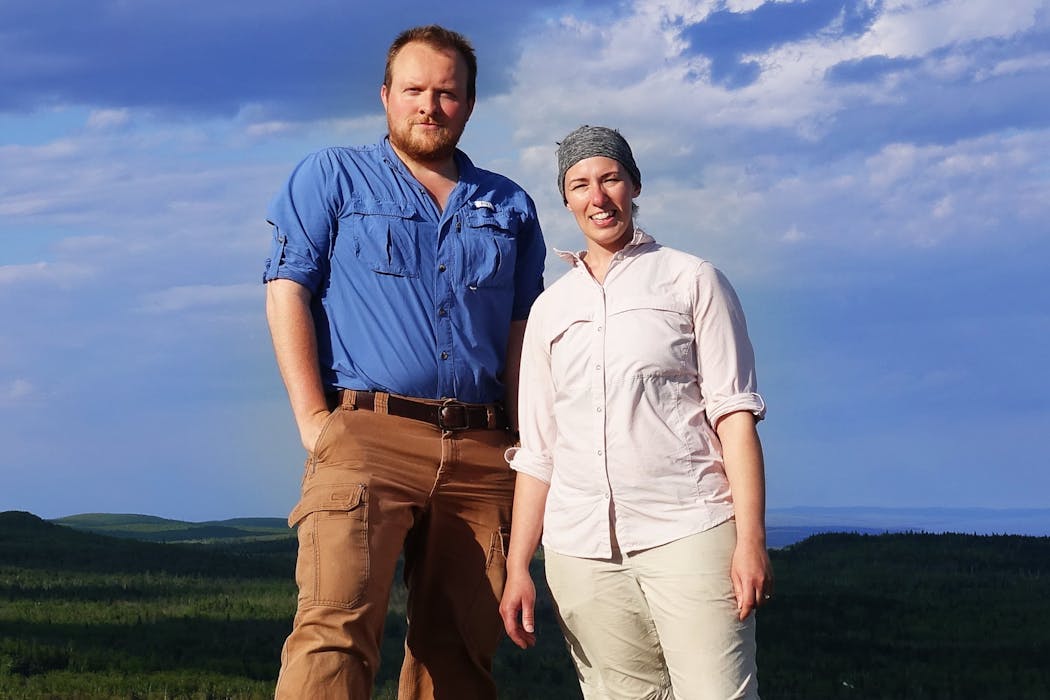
x: 748, y: 401
x: 285, y: 272
x: 526, y: 462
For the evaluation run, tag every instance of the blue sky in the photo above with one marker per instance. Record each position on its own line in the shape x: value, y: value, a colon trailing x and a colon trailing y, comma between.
x: 872, y: 175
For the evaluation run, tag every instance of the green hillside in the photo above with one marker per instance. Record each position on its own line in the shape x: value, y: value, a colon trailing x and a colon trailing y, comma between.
x: 901, y: 616
x: 153, y: 529
x: 30, y: 543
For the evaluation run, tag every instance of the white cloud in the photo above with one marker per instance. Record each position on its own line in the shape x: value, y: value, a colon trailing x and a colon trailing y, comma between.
x: 752, y: 166
x: 915, y: 28
x: 102, y: 119
x: 1038, y: 62
x: 201, y: 295
x: 17, y: 390
x: 793, y: 235
x: 269, y: 129
x: 92, y: 244
x: 61, y: 274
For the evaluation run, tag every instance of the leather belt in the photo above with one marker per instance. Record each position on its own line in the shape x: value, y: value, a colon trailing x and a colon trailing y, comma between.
x: 450, y: 415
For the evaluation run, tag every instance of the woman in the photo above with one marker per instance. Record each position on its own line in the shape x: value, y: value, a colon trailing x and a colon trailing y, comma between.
x: 640, y: 462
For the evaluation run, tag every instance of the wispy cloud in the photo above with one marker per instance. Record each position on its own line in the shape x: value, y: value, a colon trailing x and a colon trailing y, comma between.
x: 16, y: 391
x: 108, y: 119
x: 60, y: 274
x: 202, y: 295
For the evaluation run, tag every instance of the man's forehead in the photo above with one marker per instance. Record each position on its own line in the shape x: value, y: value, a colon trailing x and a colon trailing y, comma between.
x: 426, y: 53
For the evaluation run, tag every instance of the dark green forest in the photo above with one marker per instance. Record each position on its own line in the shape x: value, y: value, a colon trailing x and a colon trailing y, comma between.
x: 201, y: 612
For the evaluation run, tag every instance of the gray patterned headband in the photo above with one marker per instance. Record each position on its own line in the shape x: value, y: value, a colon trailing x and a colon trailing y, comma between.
x: 589, y: 141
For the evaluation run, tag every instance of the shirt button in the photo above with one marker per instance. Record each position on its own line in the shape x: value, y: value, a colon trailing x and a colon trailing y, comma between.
x: 599, y: 453
x: 444, y: 356
x: 597, y: 367
x: 599, y: 409
x: 441, y: 268
x: 605, y: 495
x: 599, y: 329
x: 442, y: 312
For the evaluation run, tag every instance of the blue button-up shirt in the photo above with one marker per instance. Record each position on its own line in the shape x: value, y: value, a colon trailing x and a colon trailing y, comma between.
x: 407, y: 298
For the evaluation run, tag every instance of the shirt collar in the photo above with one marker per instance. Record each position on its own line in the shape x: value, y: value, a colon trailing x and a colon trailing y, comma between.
x: 468, y: 173
x: 639, y: 238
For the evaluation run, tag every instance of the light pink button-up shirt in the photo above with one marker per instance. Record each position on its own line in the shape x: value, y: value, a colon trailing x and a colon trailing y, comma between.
x: 621, y: 384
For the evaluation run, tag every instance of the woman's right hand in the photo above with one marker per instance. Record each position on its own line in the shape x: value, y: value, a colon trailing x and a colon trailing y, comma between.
x: 518, y: 608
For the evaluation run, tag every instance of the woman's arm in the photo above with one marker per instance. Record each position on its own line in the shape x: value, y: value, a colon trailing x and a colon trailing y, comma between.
x: 751, y: 570
x: 519, y: 595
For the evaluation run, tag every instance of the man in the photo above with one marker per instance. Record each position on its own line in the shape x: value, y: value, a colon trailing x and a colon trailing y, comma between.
x: 397, y: 291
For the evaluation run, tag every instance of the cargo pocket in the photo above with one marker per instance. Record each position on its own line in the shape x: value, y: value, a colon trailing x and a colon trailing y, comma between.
x: 333, y: 565
x: 499, y: 543
x: 485, y: 627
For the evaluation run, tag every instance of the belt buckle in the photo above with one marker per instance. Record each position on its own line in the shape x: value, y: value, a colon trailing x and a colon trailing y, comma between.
x: 456, y: 409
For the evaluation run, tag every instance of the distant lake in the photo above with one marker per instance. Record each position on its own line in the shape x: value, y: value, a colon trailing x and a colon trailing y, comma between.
x: 785, y: 526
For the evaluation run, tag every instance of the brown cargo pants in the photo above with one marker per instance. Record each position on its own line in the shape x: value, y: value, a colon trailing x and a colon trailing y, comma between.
x: 377, y: 484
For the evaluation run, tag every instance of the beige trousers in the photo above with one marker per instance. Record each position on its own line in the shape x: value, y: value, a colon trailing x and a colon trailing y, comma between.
x: 660, y: 624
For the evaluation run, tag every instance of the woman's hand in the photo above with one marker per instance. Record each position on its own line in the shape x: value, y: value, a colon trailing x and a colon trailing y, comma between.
x: 518, y: 608
x: 752, y: 576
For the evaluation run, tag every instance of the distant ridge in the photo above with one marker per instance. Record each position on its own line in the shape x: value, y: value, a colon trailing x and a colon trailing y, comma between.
x: 30, y: 542
x: 785, y: 526
x: 973, y: 521
x: 151, y: 528
x: 20, y: 521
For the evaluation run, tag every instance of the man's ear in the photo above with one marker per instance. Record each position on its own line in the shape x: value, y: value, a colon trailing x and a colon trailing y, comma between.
x: 382, y: 95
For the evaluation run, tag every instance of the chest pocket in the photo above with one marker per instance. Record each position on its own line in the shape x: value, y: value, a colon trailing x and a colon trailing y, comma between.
x: 385, y: 237
x: 489, y: 248
x: 657, y: 330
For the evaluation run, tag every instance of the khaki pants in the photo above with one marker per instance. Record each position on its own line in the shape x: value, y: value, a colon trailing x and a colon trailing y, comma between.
x: 660, y: 624
x: 374, y: 485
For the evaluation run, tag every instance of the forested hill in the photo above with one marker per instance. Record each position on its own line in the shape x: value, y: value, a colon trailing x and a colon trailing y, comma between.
x: 154, y: 529
x: 27, y: 541
x: 910, y: 616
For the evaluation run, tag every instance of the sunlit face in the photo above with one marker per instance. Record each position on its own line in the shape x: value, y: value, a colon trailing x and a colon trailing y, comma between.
x: 599, y: 192
x: 426, y: 102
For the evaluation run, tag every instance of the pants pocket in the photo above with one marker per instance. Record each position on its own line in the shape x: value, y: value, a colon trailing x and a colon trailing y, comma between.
x: 333, y: 564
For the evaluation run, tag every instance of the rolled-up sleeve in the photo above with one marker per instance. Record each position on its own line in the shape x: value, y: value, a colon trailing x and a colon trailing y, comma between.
x: 725, y: 358
x: 303, y: 215
x: 539, y: 431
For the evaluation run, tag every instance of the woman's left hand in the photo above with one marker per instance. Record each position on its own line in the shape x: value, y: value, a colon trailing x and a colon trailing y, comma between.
x: 752, y: 576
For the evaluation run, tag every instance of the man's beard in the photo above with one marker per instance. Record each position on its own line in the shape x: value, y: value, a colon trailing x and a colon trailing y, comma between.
x: 424, y: 148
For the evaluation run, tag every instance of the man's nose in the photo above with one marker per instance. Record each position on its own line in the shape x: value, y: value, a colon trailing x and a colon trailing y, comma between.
x: 428, y: 103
